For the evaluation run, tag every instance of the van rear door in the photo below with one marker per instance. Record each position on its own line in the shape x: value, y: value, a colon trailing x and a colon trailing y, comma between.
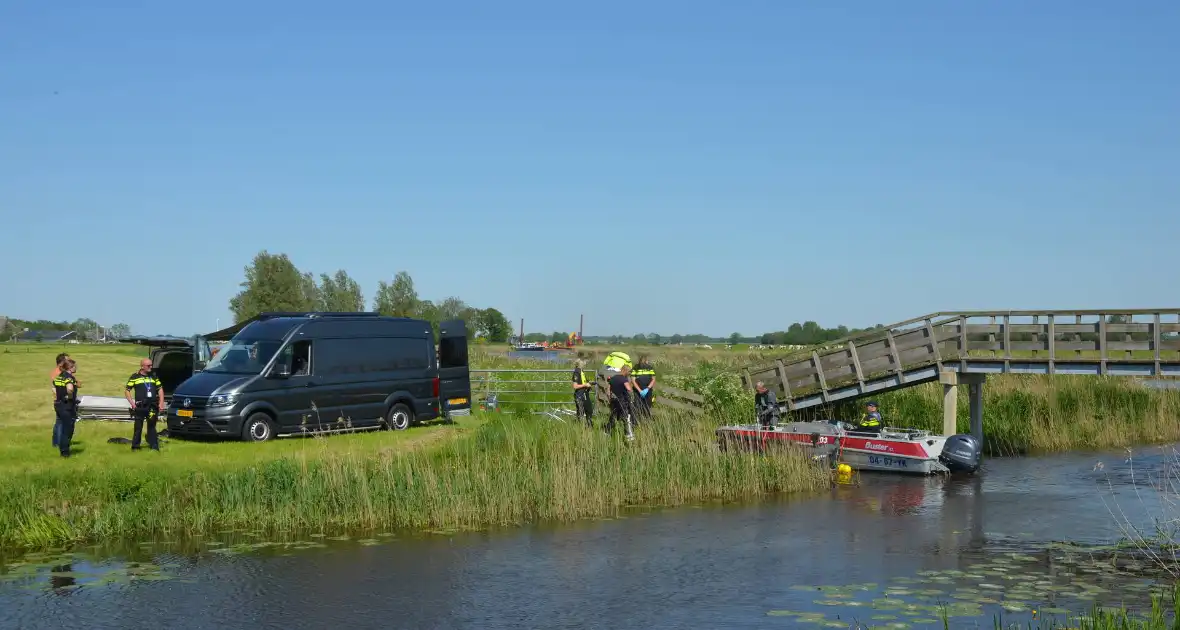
x: 454, y: 375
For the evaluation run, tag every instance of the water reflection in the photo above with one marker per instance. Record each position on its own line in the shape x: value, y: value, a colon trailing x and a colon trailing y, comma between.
x: 980, y: 543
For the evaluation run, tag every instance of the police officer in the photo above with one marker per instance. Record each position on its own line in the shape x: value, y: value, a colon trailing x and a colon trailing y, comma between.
x: 615, y: 361
x: 766, y: 404
x: 584, y: 392
x: 620, y: 401
x: 645, y: 381
x: 65, y: 405
x: 871, y: 420
x: 145, y: 394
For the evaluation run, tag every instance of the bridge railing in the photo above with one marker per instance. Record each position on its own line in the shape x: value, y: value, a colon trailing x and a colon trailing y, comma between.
x: 1052, y: 338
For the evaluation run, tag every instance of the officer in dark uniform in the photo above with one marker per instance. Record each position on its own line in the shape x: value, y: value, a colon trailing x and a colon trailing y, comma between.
x: 645, y: 380
x: 620, y: 402
x: 145, y: 394
x: 65, y: 405
x: 583, y: 381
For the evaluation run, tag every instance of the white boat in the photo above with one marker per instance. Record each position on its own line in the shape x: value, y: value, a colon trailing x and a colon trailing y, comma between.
x: 893, y: 449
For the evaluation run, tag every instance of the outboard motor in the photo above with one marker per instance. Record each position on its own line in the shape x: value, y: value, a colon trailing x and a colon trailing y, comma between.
x: 962, y: 453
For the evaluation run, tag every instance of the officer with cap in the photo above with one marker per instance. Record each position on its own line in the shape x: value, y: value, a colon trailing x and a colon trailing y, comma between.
x: 871, y: 420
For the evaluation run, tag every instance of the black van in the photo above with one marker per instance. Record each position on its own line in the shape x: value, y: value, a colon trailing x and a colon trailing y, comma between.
x: 295, y: 373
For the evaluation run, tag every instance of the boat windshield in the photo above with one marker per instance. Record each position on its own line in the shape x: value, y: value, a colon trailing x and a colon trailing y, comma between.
x: 243, y: 356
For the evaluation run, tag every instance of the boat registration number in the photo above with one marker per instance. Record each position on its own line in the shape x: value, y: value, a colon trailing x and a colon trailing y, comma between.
x: 185, y: 413
x: 885, y: 460
x: 457, y: 401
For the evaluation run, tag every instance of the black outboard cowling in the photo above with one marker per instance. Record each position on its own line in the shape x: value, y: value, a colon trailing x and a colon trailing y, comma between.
x: 962, y: 453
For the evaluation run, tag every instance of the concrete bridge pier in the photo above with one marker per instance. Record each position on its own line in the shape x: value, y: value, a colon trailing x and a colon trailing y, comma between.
x: 950, y: 400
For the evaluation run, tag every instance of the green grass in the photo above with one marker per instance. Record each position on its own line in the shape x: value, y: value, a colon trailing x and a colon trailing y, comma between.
x: 493, y: 469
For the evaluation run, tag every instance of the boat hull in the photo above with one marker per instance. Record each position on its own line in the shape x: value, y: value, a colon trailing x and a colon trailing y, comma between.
x: 900, y: 451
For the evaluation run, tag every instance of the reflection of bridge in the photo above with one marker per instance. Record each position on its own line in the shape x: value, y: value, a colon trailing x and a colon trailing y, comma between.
x: 964, y: 347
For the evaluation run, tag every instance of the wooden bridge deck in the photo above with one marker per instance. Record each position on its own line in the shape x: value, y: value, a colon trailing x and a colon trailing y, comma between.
x: 1142, y: 343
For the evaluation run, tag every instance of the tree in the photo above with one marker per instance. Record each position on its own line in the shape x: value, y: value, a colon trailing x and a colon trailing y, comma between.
x: 398, y: 298
x: 272, y: 284
x: 558, y: 337
x: 340, y: 293
x: 653, y: 339
x: 119, y: 331
x: 677, y: 339
x: 735, y: 338
x: 310, y: 290
x: 493, y: 324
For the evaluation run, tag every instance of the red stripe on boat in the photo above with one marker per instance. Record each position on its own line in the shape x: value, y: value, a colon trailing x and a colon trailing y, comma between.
x: 871, y: 445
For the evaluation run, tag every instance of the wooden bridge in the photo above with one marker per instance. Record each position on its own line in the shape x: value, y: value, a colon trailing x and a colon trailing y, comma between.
x: 964, y: 347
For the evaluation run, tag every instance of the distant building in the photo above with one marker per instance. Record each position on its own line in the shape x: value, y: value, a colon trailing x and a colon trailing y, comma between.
x: 47, y: 336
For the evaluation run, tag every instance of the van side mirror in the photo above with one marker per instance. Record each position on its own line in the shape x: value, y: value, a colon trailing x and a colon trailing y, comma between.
x: 281, y: 371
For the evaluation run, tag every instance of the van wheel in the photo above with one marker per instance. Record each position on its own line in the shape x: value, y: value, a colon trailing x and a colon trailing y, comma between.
x: 258, y: 428
x: 399, y: 418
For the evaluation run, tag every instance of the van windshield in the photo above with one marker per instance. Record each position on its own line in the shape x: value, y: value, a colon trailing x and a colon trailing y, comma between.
x: 243, y: 356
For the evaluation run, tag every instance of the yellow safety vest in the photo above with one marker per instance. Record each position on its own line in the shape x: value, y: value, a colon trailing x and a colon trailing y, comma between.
x: 583, y: 378
x: 617, y: 360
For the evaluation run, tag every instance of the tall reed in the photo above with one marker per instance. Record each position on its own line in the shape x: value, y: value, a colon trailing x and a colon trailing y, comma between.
x: 513, y: 470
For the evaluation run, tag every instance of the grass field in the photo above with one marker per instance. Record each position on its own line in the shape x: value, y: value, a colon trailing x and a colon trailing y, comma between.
x: 494, y: 469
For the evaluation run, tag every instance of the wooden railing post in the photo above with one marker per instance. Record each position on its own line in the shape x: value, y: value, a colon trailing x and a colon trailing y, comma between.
x: 1155, y: 343
x: 1102, y: 344
x: 1051, y: 355
x: 896, y: 356
x: 781, y: 370
x: 963, y: 344
x: 819, y: 372
x: 1007, y: 343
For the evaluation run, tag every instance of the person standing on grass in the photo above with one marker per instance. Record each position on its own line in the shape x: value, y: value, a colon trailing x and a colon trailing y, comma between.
x: 620, y: 401
x: 645, y: 383
x: 145, y: 394
x: 584, y: 392
x: 65, y: 406
x: 61, y: 358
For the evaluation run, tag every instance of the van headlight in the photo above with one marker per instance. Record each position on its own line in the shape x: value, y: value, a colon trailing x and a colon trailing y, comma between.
x: 223, y: 400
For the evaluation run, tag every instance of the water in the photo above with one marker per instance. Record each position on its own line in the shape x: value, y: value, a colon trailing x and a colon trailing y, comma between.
x: 886, y: 551
x: 542, y: 355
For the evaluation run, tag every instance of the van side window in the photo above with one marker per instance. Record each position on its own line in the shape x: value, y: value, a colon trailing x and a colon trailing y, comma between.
x: 301, y: 359
x: 452, y: 352
x: 335, y: 357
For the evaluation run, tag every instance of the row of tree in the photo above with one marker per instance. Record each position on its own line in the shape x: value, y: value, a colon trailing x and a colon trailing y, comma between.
x: 86, y: 328
x: 805, y: 334
x: 273, y: 283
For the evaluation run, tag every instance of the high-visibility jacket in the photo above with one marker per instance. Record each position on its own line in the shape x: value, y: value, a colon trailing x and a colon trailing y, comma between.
x: 616, y: 360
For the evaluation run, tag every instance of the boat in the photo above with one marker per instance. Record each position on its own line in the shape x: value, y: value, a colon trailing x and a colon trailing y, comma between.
x: 529, y: 347
x: 901, y: 450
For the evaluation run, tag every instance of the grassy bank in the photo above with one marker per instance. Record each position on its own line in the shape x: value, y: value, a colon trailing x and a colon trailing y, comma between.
x: 494, y: 469
x: 513, y: 470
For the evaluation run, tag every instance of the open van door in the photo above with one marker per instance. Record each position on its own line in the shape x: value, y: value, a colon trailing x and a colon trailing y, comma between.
x: 454, y: 375
x: 201, y: 353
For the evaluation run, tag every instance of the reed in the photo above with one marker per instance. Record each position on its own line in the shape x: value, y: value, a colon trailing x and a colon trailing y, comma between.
x: 511, y: 471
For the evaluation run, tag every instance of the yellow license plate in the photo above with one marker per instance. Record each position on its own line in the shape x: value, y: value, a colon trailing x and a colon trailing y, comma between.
x: 457, y: 401
x: 185, y: 413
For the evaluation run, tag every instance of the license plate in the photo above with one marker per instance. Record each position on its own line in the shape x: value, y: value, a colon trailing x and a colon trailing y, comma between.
x: 185, y: 413
x: 457, y: 401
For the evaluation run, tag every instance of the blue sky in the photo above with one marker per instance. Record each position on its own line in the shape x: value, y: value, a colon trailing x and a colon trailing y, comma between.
x: 761, y: 162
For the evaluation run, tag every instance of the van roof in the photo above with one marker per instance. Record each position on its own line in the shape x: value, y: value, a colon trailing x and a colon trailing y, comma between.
x: 290, y: 318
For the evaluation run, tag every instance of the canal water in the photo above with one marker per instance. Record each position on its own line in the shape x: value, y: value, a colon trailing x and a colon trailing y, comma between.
x: 891, y: 552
